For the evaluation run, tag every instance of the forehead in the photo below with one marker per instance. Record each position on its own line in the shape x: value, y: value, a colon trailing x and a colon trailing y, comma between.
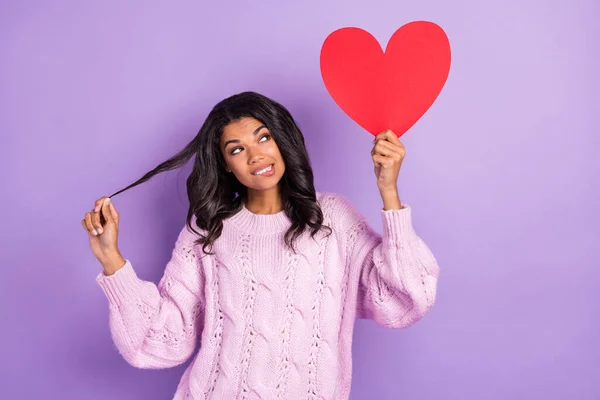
x: 241, y: 127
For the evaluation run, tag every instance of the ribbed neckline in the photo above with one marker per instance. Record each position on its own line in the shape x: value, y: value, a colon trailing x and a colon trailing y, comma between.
x: 259, y: 224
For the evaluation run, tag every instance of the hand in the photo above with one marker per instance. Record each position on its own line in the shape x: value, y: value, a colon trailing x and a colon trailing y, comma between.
x: 388, y: 154
x: 102, y: 226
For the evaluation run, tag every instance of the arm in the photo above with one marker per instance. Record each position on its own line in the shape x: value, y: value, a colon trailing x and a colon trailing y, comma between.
x: 157, y: 327
x: 398, y: 272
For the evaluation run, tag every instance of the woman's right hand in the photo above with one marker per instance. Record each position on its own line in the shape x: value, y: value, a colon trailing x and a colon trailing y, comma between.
x: 102, y: 226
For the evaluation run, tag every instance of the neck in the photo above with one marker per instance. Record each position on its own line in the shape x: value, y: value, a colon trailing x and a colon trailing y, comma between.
x: 264, y: 201
x: 261, y: 224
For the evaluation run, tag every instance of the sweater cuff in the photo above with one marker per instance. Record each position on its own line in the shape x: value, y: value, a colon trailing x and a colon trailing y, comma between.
x: 120, y: 286
x: 397, y: 225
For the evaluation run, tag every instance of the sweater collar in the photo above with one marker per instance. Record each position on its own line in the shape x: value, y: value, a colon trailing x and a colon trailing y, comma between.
x: 259, y: 224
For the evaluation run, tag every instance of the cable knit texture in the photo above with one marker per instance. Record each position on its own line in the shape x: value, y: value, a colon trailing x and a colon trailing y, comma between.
x: 270, y: 323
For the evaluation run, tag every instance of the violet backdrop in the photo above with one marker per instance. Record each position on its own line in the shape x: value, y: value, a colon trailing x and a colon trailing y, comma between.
x: 502, y: 174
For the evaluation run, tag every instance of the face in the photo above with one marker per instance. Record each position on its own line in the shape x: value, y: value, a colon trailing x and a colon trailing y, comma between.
x: 249, y: 148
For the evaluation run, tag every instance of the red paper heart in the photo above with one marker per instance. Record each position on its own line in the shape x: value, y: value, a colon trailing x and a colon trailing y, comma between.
x: 390, y: 90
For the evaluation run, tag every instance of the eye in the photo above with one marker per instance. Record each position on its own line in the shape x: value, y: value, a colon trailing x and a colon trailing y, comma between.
x: 268, y: 136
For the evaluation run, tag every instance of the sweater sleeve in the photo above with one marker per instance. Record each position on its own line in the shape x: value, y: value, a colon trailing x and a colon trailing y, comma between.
x: 157, y: 327
x: 398, y: 272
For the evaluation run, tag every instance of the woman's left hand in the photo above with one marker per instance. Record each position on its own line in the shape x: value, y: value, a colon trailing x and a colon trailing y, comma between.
x: 388, y: 154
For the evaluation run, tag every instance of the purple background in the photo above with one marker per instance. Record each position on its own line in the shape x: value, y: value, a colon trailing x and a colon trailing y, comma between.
x: 502, y: 173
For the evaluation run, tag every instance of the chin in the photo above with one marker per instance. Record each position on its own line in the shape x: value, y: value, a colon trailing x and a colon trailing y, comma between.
x: 265, y: 186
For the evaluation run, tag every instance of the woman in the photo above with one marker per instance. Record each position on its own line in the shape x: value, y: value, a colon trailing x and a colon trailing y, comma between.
x: 269, y: 274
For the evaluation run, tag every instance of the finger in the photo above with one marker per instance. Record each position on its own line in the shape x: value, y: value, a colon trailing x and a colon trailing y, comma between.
x: 376, y: 150
x: 385, y: 134
x: 88, y: 222
x: 379, y: 136
x: 382, y: 151
x: 385, y: 148
x: 383, y: 161
x: 389, y: 136
x: 96, y: 221
x: 377, y: 140
x: 387, y: 145
x: 98, y: 203
x: 392, y: 138
x: 394, y: 151
x: 84, y: 225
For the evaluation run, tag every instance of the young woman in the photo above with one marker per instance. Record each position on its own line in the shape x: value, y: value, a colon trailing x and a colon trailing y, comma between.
x: 267, y: 273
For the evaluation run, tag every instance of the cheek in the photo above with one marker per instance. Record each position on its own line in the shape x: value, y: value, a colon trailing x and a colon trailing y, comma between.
x: 280, y: 158
x: 235, y: 164
x: 231, y: 162
x: 275, y: 153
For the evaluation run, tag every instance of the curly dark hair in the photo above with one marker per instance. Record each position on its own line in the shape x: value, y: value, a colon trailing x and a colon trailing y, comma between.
x: 215, y: 195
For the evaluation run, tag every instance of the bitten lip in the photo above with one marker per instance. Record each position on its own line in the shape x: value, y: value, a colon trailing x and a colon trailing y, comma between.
x: 261, y: 167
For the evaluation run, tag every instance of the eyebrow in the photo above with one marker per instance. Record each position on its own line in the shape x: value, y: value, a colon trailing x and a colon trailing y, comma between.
x: 237, y: 140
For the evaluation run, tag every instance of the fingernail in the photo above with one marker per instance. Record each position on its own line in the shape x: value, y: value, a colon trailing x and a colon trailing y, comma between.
x: 107, y: 200
x: 99, y: 230
x: 94, y: 232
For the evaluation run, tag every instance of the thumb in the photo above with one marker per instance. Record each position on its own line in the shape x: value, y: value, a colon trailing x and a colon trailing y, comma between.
x: 113, y: 212
x: 106, y: 211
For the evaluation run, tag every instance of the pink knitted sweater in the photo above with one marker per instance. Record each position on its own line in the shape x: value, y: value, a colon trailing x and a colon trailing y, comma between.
x: 272, y: 324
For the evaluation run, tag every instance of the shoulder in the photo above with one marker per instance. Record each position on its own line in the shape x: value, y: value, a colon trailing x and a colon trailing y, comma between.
x: 331, y: 202
x: 339, y: 210
x: 187, y: 236
x: 186, y: 248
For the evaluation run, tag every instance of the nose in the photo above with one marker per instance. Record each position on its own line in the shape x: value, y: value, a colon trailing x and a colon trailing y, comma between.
x: 256, y: 158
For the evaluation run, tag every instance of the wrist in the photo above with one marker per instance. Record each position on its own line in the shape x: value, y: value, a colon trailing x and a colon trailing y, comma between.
x: 391, y: 199
x: 112, y: 263
x: 390, y: 192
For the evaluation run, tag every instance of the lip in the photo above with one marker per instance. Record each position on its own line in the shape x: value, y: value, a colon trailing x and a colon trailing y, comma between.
x: 261, y: 167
